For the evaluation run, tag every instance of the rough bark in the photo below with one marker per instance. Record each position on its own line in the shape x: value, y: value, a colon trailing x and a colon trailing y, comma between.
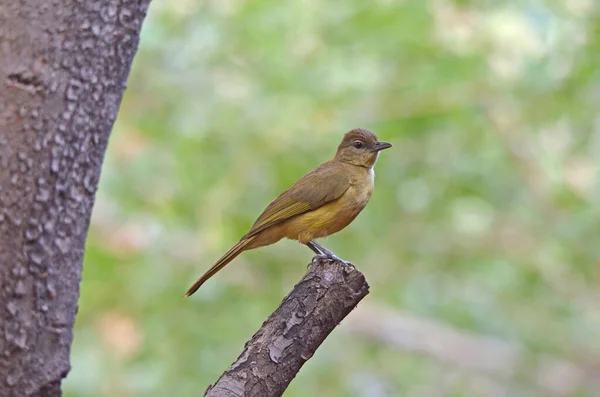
x: 63, y: 69
x: 291, y: 335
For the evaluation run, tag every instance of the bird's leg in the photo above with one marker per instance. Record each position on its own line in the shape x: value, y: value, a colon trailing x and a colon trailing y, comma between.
x: 327, y: 253
x: 312, y: 244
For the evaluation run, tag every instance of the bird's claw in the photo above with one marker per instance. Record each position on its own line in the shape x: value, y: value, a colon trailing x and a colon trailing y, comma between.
x: 333, y: 258
x: 345, y: 263
x: 349, y: 264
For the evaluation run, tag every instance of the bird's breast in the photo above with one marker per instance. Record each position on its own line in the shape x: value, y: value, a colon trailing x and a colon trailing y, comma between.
x: 364, y: 187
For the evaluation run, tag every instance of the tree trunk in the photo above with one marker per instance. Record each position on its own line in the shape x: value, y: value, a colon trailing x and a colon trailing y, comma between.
x: 63, y: 69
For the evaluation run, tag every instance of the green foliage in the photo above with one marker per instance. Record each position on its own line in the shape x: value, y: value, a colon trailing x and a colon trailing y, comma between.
x: 485, y: 217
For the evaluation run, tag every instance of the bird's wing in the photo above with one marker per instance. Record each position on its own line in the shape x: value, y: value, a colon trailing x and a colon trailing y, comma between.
x: 320, y: 186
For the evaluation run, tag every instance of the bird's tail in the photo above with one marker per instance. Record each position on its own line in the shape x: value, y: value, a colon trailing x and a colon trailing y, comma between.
x: 225, y: 259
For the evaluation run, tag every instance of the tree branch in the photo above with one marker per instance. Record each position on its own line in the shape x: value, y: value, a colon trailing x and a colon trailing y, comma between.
x: 291, y: 335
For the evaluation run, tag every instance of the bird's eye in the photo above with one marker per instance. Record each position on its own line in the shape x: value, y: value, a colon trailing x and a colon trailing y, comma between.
x: 358, y: 144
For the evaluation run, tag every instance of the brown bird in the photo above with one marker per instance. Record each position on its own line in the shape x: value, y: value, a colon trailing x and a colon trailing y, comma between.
x: 321, y: 203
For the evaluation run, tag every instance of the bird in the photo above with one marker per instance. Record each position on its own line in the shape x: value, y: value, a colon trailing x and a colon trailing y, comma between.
x: 323, y: 202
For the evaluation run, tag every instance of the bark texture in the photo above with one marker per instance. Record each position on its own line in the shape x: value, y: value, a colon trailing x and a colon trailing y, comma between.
x: 63, y: 69
x: 292, y: 334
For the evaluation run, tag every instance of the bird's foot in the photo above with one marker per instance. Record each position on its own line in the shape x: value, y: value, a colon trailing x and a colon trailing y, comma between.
x: 332, y: 258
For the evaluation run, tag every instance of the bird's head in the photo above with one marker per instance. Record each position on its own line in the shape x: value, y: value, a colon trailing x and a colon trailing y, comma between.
x: 360, y: 147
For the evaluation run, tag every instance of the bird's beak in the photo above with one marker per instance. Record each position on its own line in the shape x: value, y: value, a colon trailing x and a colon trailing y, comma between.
x: 380, y: 146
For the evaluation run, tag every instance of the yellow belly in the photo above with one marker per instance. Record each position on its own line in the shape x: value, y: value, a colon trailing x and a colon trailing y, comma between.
x: 328, y: 219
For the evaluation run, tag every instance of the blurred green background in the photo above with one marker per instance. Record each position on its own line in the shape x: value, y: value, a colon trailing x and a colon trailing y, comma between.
x: 480, y: 243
